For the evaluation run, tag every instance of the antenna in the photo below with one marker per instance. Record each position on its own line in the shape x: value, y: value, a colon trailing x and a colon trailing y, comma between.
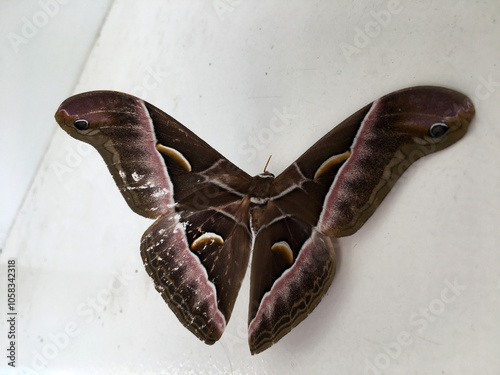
x: 268, y: 160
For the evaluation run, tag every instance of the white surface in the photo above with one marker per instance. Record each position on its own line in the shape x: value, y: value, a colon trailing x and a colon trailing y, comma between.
x: 43, y: 49
x: 226, y: 76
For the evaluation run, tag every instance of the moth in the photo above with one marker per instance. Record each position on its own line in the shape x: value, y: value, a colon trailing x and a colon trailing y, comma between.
x: 209, y: 214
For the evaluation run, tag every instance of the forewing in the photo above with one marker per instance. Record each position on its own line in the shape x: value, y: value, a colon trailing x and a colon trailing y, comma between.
x: 155, y: 161
x: 339, y: 182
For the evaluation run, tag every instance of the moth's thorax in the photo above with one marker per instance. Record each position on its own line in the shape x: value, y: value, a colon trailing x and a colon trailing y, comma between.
x: 260, y: 187
x: 258, y: 193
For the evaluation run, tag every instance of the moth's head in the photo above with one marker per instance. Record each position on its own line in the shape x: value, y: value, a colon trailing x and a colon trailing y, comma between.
x: 87, y: 116
x: 435, y: 117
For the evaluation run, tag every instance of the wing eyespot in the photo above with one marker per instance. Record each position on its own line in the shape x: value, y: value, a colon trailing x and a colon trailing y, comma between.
x: 81, y: 124
x: 438, y: 129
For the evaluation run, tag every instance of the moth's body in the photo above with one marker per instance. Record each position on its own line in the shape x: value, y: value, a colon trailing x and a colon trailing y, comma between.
x: 208, y: 212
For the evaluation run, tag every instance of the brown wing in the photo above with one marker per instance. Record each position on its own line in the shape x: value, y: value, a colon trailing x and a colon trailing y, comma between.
x: 347, y: 173
x: 331, y: 190
x: 198, y: 248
